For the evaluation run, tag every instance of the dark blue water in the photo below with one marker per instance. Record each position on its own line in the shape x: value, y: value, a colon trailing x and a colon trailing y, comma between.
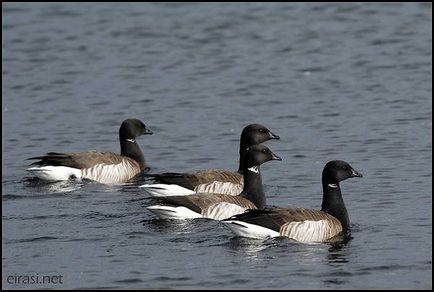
x: 335, y: 81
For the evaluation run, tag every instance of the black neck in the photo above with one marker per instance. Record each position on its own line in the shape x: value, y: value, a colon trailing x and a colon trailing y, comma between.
x: 131, y: 149
x: 252, y: 190
x: 333, y: 203
x: 243, y: 147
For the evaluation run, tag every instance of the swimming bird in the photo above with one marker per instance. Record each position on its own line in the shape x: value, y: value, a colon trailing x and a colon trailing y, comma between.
x: 101, y: 166
x: 300, y: 224
x: 221, y: 206
x: 211, y: 180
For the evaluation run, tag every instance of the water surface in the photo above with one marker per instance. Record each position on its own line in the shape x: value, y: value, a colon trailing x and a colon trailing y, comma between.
x: 335, y: 81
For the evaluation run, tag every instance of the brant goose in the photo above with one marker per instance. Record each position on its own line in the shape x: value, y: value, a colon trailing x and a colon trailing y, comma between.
x: 103, y: 167
x: 221, y: 206
x: 213, y: 180
x: 300, y: 224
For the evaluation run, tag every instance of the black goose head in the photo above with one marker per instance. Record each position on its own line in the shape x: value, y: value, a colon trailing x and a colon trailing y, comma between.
x: 258, y: 154
x: 132, y: 128
x: 336, y: 171
x: 255, y: 133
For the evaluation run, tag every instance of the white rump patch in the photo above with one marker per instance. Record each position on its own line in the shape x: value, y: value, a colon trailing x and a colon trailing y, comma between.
x: 254, y: 169
x: 165, y: 190
x: 55, y: 173
x: 219, y: 187
x: 244, y: 229
x: 170, y: 212
x: 310, y: 231
x: 222, y: 211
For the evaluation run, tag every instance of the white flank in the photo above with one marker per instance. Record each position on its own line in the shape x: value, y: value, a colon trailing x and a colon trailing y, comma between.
x: 244, y: 229
x: 111, y: 173
x: 55, y: 173
x: 222, y: 211
x: 169, y: 212
x: 308, y: 231
x: 219, y: 187
x: 164, y: 190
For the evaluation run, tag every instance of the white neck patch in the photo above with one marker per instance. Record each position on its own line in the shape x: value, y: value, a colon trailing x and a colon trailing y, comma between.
x: 254, y: 169
x: 130, y: 140
x: 335, y: 186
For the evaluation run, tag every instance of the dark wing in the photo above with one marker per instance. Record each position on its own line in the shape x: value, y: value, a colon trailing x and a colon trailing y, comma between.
x: 182, y: 179
x: 78, y: 160
x: 190, y: 180
x: 267, y: 218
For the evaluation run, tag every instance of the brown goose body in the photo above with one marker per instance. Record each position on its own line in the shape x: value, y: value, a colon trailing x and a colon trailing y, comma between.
x: 300, y: 224
x: 213, y: 181
x: 100, y: 166
x: 212, y: 206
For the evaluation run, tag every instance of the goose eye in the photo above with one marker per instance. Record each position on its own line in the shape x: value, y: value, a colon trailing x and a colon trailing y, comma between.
x: 266, y: 151
x: 261, y: 130
x: 344, y: 167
